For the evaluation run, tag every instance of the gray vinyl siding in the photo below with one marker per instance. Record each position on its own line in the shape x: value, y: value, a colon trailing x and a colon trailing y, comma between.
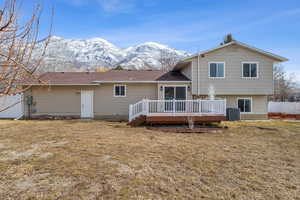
x: 234, y: 83
x: 66, y: 100
x: 106, y: 104
x: 259, y: 103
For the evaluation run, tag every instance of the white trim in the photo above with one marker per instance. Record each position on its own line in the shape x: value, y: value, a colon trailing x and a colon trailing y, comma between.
x: 192, y: 77
x: 254, y: 113
x: 216, y: 62
x: 119, y: 85
x: 273, y: 81
x: 186, y: 87
x: 277, y: 57
x: 198, y: 76
x: 257, y: 69
x: 249, y: 98
x: 71, y: 84
x: 171, y: 114
x: 142, y: 81
x: 239, y: 94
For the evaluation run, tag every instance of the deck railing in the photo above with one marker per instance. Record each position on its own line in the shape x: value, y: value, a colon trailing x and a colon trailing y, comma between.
x: 177, y: 107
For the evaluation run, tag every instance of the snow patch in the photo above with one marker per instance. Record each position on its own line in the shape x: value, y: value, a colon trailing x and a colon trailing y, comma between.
x: 81, y: 55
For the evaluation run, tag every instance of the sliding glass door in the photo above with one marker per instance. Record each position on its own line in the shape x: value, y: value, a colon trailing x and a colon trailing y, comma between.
x: 175, y: 93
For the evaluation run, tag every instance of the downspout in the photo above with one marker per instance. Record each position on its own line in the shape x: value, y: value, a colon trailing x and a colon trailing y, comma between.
x: 198, y: 75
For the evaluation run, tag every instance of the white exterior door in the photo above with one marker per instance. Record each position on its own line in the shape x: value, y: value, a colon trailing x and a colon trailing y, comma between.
x: 87, y: 110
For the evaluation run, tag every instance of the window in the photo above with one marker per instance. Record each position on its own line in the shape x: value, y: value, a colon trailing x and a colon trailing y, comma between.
x: 175, y: 92
x: 250, y: 70
x: 245, y: 105
x: 120, y: 90
x: 217, y: 70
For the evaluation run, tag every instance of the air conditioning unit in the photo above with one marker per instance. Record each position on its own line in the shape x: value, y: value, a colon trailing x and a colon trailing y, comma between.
x: 233, y: 114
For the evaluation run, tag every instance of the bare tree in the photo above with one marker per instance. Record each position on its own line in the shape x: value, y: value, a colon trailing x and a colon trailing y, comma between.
x: 167, y: 60
x: 283, y: 84
x: 17, y: 43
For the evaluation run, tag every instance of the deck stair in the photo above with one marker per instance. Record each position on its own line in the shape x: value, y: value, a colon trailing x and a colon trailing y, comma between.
x: 138, y: 121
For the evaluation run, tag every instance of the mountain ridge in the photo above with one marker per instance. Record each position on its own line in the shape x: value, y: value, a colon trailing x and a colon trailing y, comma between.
x: 89, y: 54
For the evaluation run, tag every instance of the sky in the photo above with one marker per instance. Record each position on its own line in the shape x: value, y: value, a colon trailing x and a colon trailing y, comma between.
x: 189, y: 25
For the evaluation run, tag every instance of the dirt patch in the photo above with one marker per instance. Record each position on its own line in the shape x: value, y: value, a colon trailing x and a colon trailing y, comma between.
x: 15, y: 155
x: 33, y: 150
x: 122, y: 168
x: 188, y: 130
x: 46, y: 155
x: 265, y: 128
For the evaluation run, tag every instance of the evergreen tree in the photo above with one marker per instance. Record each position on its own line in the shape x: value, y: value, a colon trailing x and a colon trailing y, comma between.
x: 119, y: 67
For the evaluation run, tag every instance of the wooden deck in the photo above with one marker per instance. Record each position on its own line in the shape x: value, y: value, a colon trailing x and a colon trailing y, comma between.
x: 176, y: 111
x: 153, y: 120
x: 183, y: 119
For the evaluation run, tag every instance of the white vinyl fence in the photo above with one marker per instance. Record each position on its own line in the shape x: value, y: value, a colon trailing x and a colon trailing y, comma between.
x: 284, y: 107
x: 11, y: 106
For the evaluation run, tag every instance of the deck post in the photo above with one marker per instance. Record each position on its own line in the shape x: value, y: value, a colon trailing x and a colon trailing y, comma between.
x: 199, y: 105
x: 173, y: 105
x: 146, y: 103
x: 130, y: 113
x: 143, y: 106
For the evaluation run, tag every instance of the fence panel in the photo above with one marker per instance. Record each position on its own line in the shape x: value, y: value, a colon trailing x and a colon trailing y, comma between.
x: 284, y: 107
x: 11, y: 106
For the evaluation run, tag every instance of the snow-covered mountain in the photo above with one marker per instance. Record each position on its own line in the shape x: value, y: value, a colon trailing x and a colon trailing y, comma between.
x: 80, y: 55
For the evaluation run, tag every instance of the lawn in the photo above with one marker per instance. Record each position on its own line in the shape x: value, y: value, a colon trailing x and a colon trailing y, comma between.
x: 102, y: 160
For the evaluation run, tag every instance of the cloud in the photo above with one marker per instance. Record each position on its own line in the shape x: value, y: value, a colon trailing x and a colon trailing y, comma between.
x: 76, y: 2
x: 117, y: 6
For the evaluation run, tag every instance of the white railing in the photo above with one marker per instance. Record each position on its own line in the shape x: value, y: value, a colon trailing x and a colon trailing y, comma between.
x: 192, y: 107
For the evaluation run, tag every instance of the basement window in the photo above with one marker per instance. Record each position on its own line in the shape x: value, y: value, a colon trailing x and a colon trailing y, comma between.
x: 245, y: 105
x: 119, y: 90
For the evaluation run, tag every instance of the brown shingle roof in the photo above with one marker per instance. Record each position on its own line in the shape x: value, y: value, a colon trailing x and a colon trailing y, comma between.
x: 81, y: 78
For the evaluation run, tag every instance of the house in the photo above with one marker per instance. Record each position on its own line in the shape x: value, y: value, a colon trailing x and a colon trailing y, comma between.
x: 201, y: 86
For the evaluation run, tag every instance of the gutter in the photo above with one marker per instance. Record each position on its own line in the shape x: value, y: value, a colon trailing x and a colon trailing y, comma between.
x: 142, y: 81
x: 62, y: 84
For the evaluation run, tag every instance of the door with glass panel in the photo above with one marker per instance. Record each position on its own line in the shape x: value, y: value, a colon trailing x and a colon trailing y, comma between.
x: 175, y: 93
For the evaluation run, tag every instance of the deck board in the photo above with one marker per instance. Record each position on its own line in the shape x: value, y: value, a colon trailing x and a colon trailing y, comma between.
x: 184, y: 119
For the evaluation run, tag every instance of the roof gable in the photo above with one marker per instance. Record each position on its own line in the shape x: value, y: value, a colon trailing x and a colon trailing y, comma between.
x: 260, y: 51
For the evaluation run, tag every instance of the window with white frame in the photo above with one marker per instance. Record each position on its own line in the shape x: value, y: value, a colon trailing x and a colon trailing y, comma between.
x: 245, y: 105
x: 119, y: 90
x: 250, y: 69
x: 216, y: 69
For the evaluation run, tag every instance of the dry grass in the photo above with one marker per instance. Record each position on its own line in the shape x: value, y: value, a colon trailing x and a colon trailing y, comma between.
x: 101, y: 160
